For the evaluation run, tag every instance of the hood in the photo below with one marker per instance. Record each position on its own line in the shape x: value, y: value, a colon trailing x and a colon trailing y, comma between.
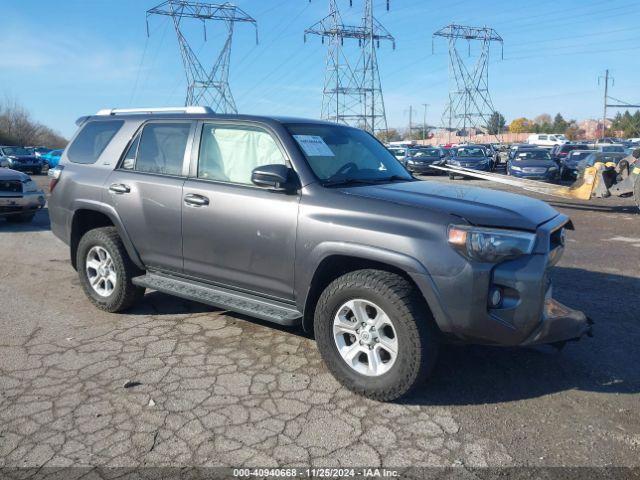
x: 479, y: 206
x: 8, y: 174
x: 535, y: 163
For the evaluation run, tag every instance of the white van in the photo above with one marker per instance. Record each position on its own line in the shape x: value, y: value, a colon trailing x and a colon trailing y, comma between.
x: 547, y: 139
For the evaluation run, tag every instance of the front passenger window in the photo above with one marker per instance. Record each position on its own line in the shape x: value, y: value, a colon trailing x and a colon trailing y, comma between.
x: 230, y: 154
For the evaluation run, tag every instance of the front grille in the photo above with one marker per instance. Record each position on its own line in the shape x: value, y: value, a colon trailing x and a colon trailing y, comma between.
x: 11, y: 186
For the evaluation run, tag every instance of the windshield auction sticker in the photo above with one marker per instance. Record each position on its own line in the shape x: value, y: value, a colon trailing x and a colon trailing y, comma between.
x: 314, y: 146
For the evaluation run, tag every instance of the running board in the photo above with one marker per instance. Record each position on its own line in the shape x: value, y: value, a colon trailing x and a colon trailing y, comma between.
x: 246, y: 304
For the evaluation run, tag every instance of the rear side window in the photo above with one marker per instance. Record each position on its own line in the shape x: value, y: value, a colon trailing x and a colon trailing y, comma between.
x: 158, y: 149
x: 92, y: 140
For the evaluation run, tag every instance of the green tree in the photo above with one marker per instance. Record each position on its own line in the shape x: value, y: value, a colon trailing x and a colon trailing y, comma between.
x: 496, y: 123
x: 627, y: 123
x: 559, y: 124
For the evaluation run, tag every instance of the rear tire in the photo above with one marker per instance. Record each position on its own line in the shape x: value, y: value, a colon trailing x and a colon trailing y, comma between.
x: 108, y: 285
x: 373, y: 370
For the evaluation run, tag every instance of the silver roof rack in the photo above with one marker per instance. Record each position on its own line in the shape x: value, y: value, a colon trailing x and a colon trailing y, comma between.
x: 133, y: 111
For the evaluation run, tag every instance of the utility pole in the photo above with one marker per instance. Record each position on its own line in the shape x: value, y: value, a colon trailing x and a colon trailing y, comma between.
x: 606, y: 98
x: 410, y: 121
x: 209, y: 88
x: 608, y: 79
x: 469, y: 104
x: 352, y: 92
x: 424, y: 122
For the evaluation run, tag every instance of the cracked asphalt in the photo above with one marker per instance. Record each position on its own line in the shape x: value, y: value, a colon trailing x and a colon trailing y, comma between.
x: 212, y: 388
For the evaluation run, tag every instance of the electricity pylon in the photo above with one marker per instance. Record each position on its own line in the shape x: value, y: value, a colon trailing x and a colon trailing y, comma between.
x: 469, y: 104
x: 210, y: 88
x: 352, y: 92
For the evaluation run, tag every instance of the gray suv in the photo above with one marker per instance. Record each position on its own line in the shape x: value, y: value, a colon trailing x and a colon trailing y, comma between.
x: 303, y: 222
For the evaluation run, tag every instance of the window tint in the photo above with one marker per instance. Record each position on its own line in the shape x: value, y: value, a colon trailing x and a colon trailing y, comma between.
x: 92, y: 140
x: 160, y: 149
x: 230, y: 154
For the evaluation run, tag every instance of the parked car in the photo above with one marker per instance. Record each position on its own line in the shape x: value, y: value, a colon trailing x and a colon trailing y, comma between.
x: 522, y: 147
x: 19, y: 158
x: 469, y: 156
x: 560, y: 152
x: 19, y: 195
x: 534, y: 165
x: 420, y: 160
x: 569, y: 166
x: 610, y: 148
x: 547, y: 140
x: 38, y: 151
x: 492, y: 153
x: 601, y: 157
x: 304, y: 222
x: 52, y: 158
x: 400, y: 153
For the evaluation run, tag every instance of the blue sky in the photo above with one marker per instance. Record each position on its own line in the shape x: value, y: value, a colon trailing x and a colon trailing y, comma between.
x: 67, y: 58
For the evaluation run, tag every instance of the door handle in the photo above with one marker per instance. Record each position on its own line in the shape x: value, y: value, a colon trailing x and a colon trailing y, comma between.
x: 119, y: 188
x: 196, y: 200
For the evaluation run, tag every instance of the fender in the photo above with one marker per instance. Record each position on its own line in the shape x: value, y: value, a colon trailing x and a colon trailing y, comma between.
x: 306, y: 269
x: 110, y: 212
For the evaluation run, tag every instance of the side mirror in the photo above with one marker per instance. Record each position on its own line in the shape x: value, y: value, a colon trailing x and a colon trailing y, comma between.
x: 274, y: 177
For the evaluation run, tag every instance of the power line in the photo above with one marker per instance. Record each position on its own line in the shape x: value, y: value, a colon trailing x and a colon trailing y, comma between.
x: 205, y: 87
x: 469, y: 104
x: 352, y: 92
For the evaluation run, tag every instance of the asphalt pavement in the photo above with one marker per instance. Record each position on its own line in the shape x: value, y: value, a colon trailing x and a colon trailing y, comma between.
x: 174, y: 382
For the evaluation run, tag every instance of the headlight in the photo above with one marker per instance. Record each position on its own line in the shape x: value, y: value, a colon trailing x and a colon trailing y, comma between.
x: 553, y: 169
x: 490, y: 245
x: 517, y: 169
x: 30, y: 186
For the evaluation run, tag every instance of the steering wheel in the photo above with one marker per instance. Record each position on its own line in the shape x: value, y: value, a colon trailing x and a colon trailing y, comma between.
x: 344, y: 169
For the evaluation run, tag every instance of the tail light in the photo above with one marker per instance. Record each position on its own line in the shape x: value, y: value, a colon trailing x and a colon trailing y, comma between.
x: 54, y: 176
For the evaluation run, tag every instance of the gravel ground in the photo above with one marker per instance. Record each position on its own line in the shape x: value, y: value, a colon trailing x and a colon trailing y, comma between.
x: 215, y: 388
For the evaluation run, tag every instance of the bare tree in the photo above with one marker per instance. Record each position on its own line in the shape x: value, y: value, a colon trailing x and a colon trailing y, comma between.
x: 18, y: 128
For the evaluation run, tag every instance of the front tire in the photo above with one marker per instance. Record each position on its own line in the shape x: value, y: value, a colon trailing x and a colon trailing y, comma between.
x: 375, y: 334
x: 105, y: 270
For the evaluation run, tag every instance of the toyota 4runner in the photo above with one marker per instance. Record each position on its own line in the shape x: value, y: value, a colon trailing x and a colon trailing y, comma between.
x: 310, y: 223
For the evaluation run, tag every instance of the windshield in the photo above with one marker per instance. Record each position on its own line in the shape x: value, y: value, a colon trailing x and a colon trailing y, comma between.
x: 339, y: 153
x: 613, y: 148
x: 15, y: 151
x: 470, y: 152
x: 433, y: 153
x: 534, y: 155
x: 576, y: 156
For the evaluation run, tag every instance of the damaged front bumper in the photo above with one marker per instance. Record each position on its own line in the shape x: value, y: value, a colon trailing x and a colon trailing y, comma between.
x: 560, y: 324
